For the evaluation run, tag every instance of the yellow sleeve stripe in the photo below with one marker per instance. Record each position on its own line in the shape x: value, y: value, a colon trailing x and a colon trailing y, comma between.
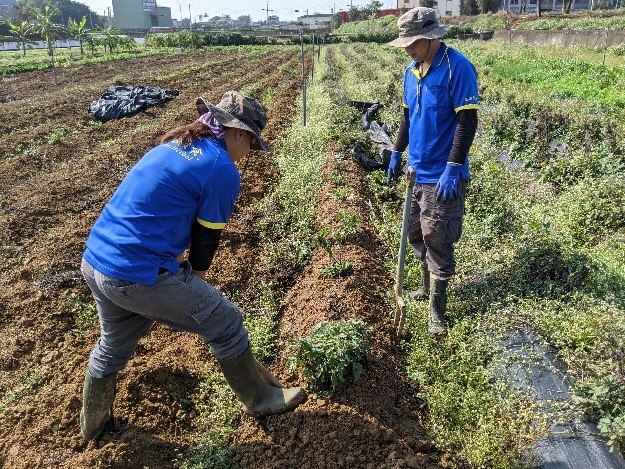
x: 405, y: 105
x: 213, y: 226
x: 468, y: 106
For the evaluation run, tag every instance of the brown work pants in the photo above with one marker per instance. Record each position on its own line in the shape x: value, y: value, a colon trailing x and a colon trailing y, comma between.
x: 434, y: 228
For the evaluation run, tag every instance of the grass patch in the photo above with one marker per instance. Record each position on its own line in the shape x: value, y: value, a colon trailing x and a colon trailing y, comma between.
x: 12, y: 396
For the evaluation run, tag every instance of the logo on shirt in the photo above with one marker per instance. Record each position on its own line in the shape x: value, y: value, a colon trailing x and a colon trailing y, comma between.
x: 192, y: 154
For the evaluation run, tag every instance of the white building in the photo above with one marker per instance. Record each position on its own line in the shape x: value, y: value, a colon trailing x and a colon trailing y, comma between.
x: 316, y: 21
x: 442, y: 7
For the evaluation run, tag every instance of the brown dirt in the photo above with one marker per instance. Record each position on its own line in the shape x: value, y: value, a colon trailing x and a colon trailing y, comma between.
x: 50, y: 195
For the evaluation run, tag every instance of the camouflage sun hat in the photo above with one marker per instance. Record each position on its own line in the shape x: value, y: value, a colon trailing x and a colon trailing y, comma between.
x: 239, y: 111
x: 418, y: 23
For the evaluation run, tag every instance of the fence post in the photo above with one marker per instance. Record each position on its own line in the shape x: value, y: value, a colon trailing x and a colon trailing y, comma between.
x: 312, y: 72
x: 301, y: 38
x: 605, y: 45
x: 319, y: 48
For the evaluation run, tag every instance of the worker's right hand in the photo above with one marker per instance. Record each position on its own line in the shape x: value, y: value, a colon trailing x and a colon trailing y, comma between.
x: 394, y: 166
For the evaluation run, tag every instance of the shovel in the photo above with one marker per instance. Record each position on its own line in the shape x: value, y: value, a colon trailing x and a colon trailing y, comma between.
x: 400, y: 311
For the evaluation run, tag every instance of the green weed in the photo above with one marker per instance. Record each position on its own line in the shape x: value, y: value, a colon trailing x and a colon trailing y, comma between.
x: 56, y: 137
x: 85, y: 314
x: 218, y: 414
x: 331, y: 354
x: 12, y: 396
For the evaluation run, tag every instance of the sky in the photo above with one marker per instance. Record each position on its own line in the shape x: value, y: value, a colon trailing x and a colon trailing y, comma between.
x: 257, y: 9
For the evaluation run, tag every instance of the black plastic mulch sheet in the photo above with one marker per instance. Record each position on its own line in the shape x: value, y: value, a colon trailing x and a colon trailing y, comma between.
x: 527, y: 364
x: 378, y: 132
x: 122, y: 101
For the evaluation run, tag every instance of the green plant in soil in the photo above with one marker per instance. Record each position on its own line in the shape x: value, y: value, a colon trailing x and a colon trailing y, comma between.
x: 84, y: 312
x: 218, y: 414
x: 331, y: 239
x: 332, y: 354
x: 13, y: 396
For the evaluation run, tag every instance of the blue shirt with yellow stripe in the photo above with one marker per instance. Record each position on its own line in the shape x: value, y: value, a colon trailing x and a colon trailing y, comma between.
x: 448, y: 86
x: 147, y: 223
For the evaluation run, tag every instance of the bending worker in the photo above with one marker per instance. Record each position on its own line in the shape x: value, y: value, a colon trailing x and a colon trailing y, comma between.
x: 179, y: 195
x: 438, y: 127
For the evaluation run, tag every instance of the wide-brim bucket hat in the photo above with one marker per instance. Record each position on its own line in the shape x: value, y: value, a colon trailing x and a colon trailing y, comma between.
x: 238, y: 111
x: 418, y: 23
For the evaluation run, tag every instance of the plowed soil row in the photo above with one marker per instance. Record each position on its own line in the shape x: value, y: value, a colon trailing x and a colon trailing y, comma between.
x: 50, y: 195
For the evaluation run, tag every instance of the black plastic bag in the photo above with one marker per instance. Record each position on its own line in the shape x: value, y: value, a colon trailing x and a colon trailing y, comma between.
x: 122, y: 101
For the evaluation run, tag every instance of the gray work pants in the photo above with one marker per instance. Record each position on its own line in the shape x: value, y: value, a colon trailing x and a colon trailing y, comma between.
x: 434, y: 227
x: 182, y: 300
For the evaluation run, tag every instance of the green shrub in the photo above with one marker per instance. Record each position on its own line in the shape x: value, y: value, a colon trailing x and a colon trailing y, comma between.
x: 591, y: 209
x: 332, y: 353
x: 603, y: 399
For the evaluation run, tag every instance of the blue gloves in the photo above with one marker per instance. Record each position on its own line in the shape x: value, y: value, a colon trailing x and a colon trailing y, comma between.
x: 447, y: 187
x: 394, y: 166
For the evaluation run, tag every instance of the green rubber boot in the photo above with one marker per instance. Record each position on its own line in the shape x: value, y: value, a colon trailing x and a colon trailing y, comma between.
x: 422, y: 292
x: 258, y: 396
x: 97, y: 403
x: 437, y: 326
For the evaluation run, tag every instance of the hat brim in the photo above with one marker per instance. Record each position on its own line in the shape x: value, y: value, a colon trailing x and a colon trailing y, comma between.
x: 228, y: 120
x: 405, y: 41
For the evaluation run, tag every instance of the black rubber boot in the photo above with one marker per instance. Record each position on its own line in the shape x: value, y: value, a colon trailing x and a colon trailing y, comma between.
x: 423, y: 291
x: 437, y: 326
x: 97, y: 403
x: 253, y: 389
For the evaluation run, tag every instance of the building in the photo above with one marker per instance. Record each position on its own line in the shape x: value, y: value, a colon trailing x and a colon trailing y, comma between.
x: 529, y: 6
x: 6, y: 6
x: 140, y: 15
x: 316, y: 21
x: 442, y: 7
x: 273, y: 20
x: 345, y: 18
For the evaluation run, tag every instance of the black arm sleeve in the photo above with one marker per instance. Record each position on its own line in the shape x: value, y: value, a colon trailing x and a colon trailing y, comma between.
x: 463, y: 138
x: 204, y: 243
x: 402, y: 134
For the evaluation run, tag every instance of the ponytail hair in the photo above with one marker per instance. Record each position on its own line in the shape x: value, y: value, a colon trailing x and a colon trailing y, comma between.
x: 186, y: 134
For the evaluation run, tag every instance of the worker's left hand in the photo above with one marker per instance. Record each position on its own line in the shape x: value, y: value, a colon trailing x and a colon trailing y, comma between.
x: 447, y: 187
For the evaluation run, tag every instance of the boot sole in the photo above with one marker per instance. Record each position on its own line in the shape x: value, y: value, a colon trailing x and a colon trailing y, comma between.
x: 292, y: 404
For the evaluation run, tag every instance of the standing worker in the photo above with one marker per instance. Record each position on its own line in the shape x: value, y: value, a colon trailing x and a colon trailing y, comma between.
x: 179, y: 195
x: 438, y: 127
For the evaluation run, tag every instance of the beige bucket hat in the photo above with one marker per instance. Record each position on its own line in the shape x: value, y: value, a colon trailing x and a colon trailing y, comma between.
x: 418, y: 23
x: 239, y: 111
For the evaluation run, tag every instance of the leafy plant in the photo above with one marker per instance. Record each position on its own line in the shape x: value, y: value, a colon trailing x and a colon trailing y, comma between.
x: 55, y: 137
x: 12, y: 396
x: 85, y: 314
x: 22, y: 32
x: 332, y: 354
x: 603, y: 398
x: 330, y: 239
x: 78, y: 31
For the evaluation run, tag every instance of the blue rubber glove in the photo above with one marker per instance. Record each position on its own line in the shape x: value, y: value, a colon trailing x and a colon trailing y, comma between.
x: 394, y: 166
x: 447, y: 187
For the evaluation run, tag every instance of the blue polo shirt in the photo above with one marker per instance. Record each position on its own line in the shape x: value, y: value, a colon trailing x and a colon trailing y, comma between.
x: 147, y: 223
x: 448, y: 86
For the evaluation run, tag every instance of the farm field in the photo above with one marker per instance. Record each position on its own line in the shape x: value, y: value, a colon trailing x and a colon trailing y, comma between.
x: 542, y: 249
x: 58, y: 168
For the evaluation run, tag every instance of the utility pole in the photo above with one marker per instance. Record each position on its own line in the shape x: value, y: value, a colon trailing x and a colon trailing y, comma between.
x: 267, y: 10
x: 190, y: 19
